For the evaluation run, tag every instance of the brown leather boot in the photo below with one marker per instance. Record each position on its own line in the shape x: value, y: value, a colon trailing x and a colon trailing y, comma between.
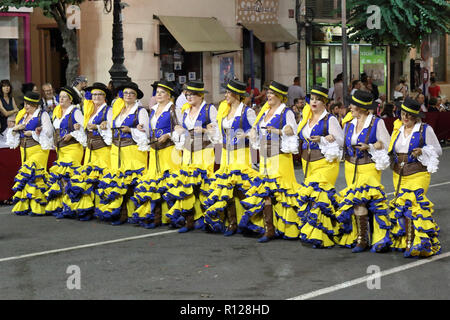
x: 362, y: 242
x: 148, y: 224
x: 189, y: 223
x: 268, y: 224
x: 232, y: 219
x: 123, y: 209
x: 409, y: 229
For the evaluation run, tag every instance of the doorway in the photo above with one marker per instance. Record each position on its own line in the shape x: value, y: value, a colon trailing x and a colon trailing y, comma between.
x: 53, y: 57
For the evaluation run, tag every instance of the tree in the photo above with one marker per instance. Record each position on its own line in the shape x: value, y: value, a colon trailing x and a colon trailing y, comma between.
x: 402, y: 22
x: 55, y: 9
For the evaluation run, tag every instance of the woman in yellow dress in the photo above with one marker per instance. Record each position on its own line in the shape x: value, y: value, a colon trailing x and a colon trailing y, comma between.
x: 33, y: 132
x: 415, y: 150
x: 272, y: 201
x: 164, y: 161
x: 233, y: 178
x: 196, y: 136
x: 97, y: 125
x: 129, y: 156
x: 69, y: 140
x: 364, y: 201
x: 321, y: 139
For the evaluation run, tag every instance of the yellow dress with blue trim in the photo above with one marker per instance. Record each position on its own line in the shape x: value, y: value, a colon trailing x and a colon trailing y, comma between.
x: 412, y: 202
x: 235, y: 173
x: 82, y: 188
x: 129, y: 159
x: 69, y: 158
x: 30, y: 182
x: 276, y: 179
x: 363, y: 188
x: 192, y: 186
x: 317, y: 196
x: 164, y: 166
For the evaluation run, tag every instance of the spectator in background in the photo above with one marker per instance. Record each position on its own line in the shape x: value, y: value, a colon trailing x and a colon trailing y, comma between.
x: 420, y: 98
x: 434, y: 90
x: 432, y: 105
x: 338, y: 92
x: 372, y: 87
x: 402, y: 87
x: 338, y: 110
x: 299, y: 103
x: 8, y: 107
x: 295, y: 91
x: 49, y: 100
x: 356, y: 85
x: 387, y: 111
x: 254, y: 94
x: 79, y: 84
x: 440, y: 104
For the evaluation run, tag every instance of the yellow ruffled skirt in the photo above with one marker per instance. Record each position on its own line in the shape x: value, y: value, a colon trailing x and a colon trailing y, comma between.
x: 367, y: 190
x: 318, y: 201
x: 234, y: 174
x: 162, y: 174
x: 69, y: 159
x: 190, y: 189
x: 412, y: 203
x: 119, y: 181
x: 30, y: 183
x: 276, y: 180
x: 82, y: 187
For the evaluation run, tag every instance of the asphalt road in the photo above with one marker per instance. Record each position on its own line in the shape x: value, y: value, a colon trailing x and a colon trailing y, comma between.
x: 45, y: 258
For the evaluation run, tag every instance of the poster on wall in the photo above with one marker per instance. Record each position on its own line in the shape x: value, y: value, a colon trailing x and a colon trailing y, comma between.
x: 373, y: 63
x: 226, y: 71
x: 257, y: 11
x: 182, y: 79
x: 191, y: 76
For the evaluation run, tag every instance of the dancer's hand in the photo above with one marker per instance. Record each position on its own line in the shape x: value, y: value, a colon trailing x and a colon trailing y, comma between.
x: 417, y: 152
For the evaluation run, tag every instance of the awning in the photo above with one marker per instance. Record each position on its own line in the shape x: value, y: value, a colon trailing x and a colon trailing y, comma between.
x: 270, y: 32
x: 197, y: 34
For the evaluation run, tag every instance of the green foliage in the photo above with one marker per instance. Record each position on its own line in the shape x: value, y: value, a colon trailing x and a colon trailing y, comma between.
x: 45, y: 5
x: 403, y: 22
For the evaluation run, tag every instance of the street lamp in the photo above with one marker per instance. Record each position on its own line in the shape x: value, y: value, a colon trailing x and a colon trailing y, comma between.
x: 118, y: 72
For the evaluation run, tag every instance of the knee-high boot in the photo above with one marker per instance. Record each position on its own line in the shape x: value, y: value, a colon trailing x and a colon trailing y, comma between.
x: 409, y: 226
x: 362, y: 242
x: 232, y: 219
x: 268, y: 224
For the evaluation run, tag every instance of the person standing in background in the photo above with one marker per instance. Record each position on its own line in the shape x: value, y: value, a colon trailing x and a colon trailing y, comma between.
x: 8, y: 105
x: 48, y: 101
x: 295, y: 91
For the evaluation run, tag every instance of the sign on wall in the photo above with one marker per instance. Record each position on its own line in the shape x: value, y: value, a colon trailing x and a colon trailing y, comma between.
x: 226, y: 71
x: 257, y: 11
x: 373, y: 63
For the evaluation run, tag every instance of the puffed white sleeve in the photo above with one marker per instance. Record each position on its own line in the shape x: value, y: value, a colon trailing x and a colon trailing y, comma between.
x: 12, y: 138
x: 289, y: 143
x: 45, y: 138
x: 141, y: 138
x: 381, y: 157
x: 332, y: 150
x: 213, y: 135
x: 79, y: 134
x: 431, y: 151
x: 251, y: 116
x: 107, y: 133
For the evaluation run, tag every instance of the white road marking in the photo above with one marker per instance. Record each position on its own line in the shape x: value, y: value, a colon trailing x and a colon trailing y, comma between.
x: 347, y: 284
x: 89, y: 245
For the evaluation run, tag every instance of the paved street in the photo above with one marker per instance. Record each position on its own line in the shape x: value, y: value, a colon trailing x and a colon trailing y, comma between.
x: 37, y: 255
